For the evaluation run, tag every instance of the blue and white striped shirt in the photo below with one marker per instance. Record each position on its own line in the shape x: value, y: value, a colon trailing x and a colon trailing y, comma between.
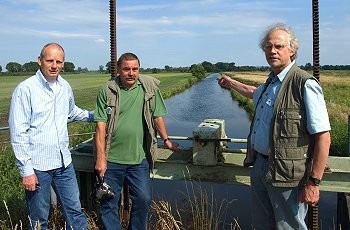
x: 38, y: 123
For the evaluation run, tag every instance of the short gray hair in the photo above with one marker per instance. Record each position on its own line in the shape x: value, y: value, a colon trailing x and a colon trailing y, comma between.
x: 43, y: 50
x: 293, y: 41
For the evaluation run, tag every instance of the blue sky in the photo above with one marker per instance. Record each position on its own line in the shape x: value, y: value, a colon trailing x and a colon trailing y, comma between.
x: 174, y: 33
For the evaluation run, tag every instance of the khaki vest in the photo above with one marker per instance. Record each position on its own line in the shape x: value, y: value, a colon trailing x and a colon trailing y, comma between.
x: 150, y: 86
x: 292, y: 147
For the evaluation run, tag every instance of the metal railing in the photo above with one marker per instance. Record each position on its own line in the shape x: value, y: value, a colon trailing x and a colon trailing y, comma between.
x: 70, y: 135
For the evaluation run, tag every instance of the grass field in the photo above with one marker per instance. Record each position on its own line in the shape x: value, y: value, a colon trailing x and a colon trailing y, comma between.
x: 86, y: 86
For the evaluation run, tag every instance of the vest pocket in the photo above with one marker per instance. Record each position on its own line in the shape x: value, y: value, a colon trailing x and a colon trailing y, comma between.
x: 290, y: 164
x: 291, y: 124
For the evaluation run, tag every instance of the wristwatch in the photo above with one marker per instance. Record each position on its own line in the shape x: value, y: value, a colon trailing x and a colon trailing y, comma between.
x: 316, y: 181
x: 165, y: 140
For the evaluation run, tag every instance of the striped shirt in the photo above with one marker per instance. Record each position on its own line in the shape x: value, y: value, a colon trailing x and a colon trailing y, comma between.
x: 38, y: 123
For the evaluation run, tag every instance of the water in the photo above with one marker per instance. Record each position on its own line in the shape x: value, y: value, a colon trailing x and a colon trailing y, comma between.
x: 186, y: 111
x: 205, y: 100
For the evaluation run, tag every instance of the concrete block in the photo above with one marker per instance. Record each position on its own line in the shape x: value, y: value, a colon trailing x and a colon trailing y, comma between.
x: 205, y: 144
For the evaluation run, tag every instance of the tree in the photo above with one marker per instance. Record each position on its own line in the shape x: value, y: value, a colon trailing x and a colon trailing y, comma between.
x: 101, y: 68
x: 308, y: 66
x: 198, y: 71
x: 68, y: 67
x: 231, y: 66
x: 168, y: 68
x: 14, y: 67
x: 108, y: 67
x: 0, y: 68
x: 208, y: 66
x: 30, y: 66
x: 222, y: 66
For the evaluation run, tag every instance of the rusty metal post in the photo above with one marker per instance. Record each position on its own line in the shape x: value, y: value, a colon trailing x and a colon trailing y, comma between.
x: 316, y: 39
x: 124, y: 209
x: 313, y: 210
x: 113, y: 36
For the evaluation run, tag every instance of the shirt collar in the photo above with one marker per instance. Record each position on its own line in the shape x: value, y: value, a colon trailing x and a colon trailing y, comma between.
x: 123, y: 87
x: 43, y: 80
x: 283, y: 73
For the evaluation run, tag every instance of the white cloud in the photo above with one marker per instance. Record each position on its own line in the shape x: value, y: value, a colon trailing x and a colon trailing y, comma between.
x: 100, y: 40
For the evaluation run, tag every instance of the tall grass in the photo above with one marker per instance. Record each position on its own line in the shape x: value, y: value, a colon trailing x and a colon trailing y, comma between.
x: 197, y: 211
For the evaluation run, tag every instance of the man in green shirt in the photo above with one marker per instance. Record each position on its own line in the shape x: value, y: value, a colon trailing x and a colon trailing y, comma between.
x: 128, y: 115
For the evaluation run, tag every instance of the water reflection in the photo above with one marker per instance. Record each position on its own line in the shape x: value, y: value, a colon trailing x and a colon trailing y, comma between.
x: 205, y: 100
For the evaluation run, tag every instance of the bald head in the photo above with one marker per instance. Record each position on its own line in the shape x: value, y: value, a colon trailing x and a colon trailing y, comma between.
x: 52, y: 44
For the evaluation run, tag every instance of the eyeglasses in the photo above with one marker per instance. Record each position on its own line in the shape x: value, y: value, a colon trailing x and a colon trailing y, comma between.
x: 275, y: 46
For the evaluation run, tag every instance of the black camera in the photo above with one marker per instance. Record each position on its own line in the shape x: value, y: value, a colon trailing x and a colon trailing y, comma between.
x: 102, y: 189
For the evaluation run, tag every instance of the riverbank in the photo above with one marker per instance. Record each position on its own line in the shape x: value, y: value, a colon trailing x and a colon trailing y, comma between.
x: 335, y: 85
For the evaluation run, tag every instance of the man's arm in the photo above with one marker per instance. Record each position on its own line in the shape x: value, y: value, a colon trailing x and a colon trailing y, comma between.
x: 19, y: 122
x: 160, y: 126
x: 311, y: 193
x: 78, y: 114
x: 321, y: 152
x: 244, y: 89
x: 100, y: 140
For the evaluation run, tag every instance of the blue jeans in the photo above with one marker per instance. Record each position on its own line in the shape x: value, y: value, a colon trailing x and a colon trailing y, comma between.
x: 64, y: 183
x: 138, y: 179
x: 274, y: 207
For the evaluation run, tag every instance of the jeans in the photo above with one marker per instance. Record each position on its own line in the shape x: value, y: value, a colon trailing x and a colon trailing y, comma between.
x: 274, y: 207
x: 138, y: 179
x: 64, y: 183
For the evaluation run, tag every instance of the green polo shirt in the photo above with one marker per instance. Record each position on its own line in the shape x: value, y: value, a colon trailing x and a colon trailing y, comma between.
x: 127, y: 146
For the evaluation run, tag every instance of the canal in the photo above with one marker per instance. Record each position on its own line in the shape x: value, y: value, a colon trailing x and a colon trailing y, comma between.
x: 231, y: 203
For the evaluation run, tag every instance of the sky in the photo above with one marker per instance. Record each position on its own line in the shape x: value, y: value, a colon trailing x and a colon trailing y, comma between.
x: 174, y: 33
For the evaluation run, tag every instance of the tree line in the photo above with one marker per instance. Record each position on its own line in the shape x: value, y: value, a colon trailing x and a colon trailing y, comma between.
x: 15, y: 67
x: 196, y: 69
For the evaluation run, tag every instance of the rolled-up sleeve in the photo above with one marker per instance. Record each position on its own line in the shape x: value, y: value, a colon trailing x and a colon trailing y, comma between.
x: 316, y: 111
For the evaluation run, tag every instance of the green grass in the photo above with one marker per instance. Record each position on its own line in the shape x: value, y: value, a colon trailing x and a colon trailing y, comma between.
x: 86, y: 86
